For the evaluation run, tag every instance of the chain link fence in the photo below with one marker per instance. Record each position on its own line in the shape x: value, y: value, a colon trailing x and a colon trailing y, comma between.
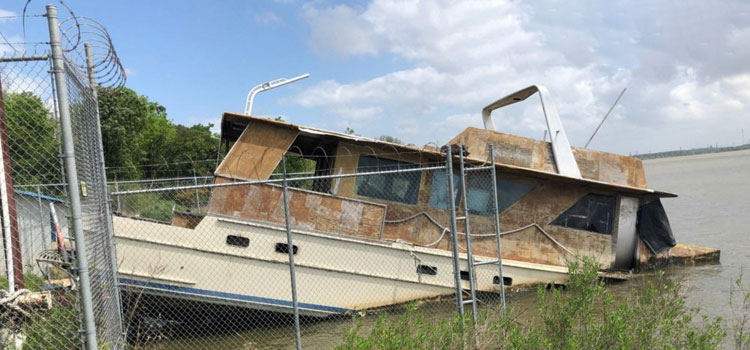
x: 207, y: 266
x: 44, y: 294
x: 202, y: 262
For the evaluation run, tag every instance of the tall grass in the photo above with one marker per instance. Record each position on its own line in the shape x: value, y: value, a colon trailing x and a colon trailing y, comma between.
x: 584, y: 315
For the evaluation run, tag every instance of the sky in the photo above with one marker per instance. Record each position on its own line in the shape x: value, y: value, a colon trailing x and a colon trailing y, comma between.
x: 422, y: 71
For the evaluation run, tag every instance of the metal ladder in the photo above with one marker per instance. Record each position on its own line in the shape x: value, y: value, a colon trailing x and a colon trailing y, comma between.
x: 471, y: 264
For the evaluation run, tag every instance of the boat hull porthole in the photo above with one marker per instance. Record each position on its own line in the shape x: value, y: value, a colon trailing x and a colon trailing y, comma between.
x: 507, y: 281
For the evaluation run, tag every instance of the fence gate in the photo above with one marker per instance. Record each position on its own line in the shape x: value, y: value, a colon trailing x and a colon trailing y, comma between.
x: 53, y: 166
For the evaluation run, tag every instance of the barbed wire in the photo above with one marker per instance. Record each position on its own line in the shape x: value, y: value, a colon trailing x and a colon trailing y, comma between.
x: 78, y: 34
x: 83, y: 31
x: 22, y: 16
x: 26, y: 6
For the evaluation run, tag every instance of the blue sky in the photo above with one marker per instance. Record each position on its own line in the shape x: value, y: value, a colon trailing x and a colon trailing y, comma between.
x: 422, y: 71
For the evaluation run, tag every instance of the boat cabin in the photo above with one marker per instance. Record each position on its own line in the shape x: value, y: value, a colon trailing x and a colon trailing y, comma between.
x: 546, y: 217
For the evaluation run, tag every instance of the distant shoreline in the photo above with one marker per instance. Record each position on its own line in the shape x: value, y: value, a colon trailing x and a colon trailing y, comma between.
x: 690, y: 152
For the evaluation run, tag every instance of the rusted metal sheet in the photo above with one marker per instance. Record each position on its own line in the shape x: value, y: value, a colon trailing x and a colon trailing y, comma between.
x: 186, y: 220
x: 681, y: 254
x: 423, y: 225
x: 537, y: 155
x: 515, y: 149
x: 257, y: 152
x: 308, y: 210
x: 541, y: 206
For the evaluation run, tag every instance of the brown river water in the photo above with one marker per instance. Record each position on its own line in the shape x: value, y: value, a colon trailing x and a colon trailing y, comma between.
x: 712, y: 210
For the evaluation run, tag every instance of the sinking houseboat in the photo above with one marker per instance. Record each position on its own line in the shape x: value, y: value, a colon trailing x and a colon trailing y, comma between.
x: 369, y: 241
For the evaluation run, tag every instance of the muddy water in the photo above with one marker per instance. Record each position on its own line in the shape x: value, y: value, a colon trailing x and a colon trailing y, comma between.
x: 713, y: 209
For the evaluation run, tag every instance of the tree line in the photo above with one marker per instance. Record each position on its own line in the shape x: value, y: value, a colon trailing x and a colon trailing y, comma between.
x: 139, y: 140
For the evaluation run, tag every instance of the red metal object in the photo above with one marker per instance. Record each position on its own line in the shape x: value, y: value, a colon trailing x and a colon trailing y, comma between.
x: 15, y: 242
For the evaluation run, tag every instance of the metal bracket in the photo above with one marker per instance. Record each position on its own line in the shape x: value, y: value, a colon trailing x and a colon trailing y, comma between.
x: 563, y: 154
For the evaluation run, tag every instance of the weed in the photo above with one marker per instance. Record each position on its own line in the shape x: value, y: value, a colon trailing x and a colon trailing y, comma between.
x: 585, y: 315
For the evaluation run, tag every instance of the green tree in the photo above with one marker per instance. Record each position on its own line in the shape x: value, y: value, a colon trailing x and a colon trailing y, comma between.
x: 194, y: 147
x: 141, y: 142
x: 135, y: 131
x: 32, y: 138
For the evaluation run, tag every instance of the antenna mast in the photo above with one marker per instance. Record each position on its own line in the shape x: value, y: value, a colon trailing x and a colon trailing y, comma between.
x: 605, y: 118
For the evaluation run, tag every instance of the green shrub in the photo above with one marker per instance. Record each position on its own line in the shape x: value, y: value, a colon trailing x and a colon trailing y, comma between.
x: 55, y: 329
x: 409, y: 331
x: 584, y: 315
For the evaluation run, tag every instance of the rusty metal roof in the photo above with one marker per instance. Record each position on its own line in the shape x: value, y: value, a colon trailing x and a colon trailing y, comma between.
x: 233, y: 124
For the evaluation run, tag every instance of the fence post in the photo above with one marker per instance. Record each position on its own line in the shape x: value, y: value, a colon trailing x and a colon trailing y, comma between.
x: 290, y: 250
x: 454, y: 230
x: 105, y: 188
x: 497, y: 226
x: 117, y: 189
x: 41, y: 213
x: 197, y: 198
x: 14, y: 261
x: 72, y: 176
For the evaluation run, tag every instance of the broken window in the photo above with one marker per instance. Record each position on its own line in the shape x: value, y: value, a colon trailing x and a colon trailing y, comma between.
x: 509, y: 192
x: 397, y: 187
x: 594, y: 212
x: 427, y: 270
x: 308, y: 157
x: 439, y: 198
x: 479, y: 192
x: 296, y: 166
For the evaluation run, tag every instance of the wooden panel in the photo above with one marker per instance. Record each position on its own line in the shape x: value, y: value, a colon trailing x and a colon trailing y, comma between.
x: 308, y: 210
x: 257, y: 152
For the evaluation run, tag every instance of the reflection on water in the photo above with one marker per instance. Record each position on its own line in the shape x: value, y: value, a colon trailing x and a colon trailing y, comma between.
x: 713, y: 210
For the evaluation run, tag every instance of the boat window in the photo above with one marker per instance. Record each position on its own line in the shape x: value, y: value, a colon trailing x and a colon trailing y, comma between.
x: 464, y: 275
x: 594, y: 212
x: 238, y: 241
x: 296, y: 166
x: 397, y: 187
x: 509, y: 192
x: 427, y: 270
x: 479, y: 192
x: 284, y: 248
x: 507, y: 281
x: 439, y: 189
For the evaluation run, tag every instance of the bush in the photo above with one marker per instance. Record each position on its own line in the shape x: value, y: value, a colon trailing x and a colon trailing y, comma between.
x: 55, y: 329
x: 584, y: 315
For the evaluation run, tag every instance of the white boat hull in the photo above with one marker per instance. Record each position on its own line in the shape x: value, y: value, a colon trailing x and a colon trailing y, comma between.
x: 335, y: 273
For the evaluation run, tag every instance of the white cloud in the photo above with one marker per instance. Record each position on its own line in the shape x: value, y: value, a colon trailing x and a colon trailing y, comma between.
x: 130, y: 72
x: 680, y: 64
x: 339, y: 31
x: 267, y: 19
x: 7, y: 13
